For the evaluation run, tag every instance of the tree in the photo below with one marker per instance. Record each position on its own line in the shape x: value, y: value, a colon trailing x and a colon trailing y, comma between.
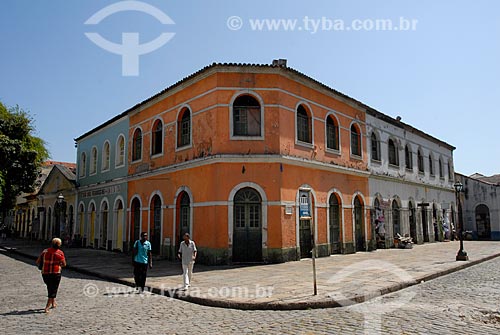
x: 21, y: 155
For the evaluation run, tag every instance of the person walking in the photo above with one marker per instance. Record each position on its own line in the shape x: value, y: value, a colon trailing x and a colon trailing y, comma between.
x: 141, y: 257
x: 187, y: 253
x: 51, y: 261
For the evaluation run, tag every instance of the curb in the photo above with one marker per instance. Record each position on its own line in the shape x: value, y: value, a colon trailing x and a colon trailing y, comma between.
x: 301, y: 305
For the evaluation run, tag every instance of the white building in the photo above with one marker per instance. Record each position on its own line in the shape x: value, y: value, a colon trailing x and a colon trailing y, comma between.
x: 411, y: 182
x: 481, y: 206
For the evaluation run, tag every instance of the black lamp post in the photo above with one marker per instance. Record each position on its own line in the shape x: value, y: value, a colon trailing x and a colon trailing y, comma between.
x: 61, y: 207
x: 462, y: 254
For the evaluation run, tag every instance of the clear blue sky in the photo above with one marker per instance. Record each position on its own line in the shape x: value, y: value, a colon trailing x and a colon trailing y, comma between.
x: 443, y: 78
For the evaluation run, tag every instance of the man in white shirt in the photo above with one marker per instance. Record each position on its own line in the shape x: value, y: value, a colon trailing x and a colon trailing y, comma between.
x: 187, y: 253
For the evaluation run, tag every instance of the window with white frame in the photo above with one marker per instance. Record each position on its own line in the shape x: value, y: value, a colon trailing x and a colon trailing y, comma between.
x: 332, y: 133
x: 83, y: 164
x: 408, y: 158
x: 431, y: 165
x: 355, y: 141
x: 246, y: 116
x: 375, y: 147
x: 137, y: 145
x: 157, y: 138
x: 304, y: 127
x: 105, y: 156
x: 93, y: 161
x: 393, y: 153
x: 120, y: 151
x: 184, y: 128
x: 420, y: 161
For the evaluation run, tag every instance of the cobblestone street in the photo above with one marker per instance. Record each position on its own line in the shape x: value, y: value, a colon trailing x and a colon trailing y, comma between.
x: 465, y: 302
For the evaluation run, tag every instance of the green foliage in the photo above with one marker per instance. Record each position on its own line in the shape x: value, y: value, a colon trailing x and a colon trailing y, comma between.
x: 21, y: 154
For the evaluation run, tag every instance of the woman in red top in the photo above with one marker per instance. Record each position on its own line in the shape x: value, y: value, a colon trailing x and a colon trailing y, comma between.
x: 52, y: 261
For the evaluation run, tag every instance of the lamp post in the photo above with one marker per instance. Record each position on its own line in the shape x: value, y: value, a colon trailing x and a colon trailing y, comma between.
x: 462, y: 254
x: 61, y: 207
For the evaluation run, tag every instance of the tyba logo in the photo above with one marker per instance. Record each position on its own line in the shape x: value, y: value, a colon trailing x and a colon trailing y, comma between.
x: 130, y: 49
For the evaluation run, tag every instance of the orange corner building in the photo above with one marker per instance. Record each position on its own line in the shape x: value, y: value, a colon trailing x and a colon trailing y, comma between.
x: 227, y: 153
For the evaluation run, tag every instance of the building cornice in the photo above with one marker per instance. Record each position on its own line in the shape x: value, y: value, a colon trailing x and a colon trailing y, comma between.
x: 230, y: 158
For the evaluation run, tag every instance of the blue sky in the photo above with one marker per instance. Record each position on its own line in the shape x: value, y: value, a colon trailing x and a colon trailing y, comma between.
x: 443, y: 77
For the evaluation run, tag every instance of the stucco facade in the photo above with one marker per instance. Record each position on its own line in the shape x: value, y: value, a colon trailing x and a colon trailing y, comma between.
x: 411, y: 181
x: 102, y: 186
x: 480, y: 208
x: 231, y: 152
x: 233, y: 179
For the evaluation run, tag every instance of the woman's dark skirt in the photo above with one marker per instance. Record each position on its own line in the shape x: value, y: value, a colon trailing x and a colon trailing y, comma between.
x: 52, y: 281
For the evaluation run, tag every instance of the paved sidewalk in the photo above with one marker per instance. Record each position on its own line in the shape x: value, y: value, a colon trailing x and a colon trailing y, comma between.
x: 341, y: 279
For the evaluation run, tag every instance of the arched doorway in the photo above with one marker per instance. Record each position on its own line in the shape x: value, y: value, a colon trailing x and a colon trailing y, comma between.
x: 247, y: 232
x: 136, y: 220
x: 43, y: 223
x: 483, y: 225
x: 103, y: 232
x: 396, y: 219
x: 413, y: 222
x: 92, y: 240
x: 155, y: 209
x: 305, y: 230
x: 119, y: 224
x: 334, y: 211
x: 49, y: 224
x: 34, y: 228
x: 425, y: 224
x: 435, y: 223
x: 184, y: 223
x: 359, y: 226
x: 81, y: 231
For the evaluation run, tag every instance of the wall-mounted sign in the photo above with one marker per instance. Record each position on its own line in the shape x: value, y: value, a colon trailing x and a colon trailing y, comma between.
x: 304, y: 205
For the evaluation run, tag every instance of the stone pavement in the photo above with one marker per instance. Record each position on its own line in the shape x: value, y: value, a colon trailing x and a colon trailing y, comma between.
x: 341, y: 279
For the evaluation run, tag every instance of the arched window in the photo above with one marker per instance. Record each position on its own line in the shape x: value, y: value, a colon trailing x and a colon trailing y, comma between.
x: 304, y: 131
x: 83, y: 164
x: 375, y: 147
x: 184, y: 128
x: 120, y: 151
x: 105, y: 156
x: 408, y: 158
x: 395, y: 219
x: 332, y: 133
x: 441, y: 169
x: 420, y: 159
x: 431, y: 165
x: 450, y: 171
x: 355, y: 141
x: 137, y: 145
x: 93, y: 161
x: 246, y: 116
x: 157, y: 138
x: 393, y: 153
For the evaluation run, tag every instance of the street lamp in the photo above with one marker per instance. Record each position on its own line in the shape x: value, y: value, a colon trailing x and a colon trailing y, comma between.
x: 61, y: 209
x: 462, y: 254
